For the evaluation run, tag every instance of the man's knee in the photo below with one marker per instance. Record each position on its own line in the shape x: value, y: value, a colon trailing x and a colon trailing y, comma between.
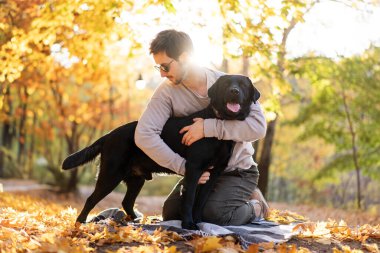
x: 219, y: 213
x: 171, y: 209
x: 213, y: 212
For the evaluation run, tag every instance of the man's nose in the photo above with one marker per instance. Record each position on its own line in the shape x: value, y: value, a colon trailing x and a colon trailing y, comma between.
x: 163, y: 73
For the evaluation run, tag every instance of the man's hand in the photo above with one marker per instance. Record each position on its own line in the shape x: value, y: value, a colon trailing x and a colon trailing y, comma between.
x: 204, y: 178
x: 194, y: 133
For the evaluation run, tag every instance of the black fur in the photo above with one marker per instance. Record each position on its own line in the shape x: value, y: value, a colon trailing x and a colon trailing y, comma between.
x: 121, y: 159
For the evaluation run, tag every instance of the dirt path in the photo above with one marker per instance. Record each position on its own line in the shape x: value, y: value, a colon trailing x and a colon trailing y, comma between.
x: 18, y: 185
x: 149, y: 205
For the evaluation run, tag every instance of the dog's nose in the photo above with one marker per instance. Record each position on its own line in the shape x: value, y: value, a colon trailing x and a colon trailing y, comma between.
x: 235, y: 91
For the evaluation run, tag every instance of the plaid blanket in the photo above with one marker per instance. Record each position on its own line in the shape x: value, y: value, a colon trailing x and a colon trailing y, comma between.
x: 255, y: 232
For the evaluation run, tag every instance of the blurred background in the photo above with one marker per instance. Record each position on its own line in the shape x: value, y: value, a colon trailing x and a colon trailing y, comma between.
x: 71, y: 71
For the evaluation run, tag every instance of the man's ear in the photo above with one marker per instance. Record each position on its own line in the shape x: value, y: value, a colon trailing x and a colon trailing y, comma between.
x: 184, y: 57
x: 254, y: 93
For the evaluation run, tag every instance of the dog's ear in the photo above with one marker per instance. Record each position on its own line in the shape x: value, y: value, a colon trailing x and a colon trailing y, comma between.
x: 212, y: 91
x: 254, y: 93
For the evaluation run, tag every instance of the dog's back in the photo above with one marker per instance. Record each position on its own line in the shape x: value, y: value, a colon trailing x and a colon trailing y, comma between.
x: 125, y: 132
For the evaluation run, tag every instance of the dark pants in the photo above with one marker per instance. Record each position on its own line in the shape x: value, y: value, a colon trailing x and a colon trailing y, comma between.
x: 227, y: 203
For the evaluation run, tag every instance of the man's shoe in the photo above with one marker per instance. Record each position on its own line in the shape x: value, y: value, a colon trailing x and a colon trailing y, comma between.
x: 257, y: 199
x: 113, y: 213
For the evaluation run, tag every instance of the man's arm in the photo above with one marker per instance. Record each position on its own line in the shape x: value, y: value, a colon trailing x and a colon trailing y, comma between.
x: 249, y: 130
x: 149, y: 128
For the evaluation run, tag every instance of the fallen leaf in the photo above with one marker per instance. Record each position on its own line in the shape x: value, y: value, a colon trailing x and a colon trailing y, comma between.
x: 211, y: 243
x: 253, y: 248
x: 373, y: 248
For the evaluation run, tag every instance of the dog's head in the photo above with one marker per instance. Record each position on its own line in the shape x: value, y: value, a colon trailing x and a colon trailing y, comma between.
x: 232, y: 95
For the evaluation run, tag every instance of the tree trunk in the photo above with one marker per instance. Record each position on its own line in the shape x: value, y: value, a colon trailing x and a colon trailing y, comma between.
x: 22, y: 131
x: 266, y: 152
x: 111, y: 101
x: 72, y: 143
x: 6, y: 143
x: 7, y: 134
x: 355, y: 155
x: 69, y: 185
x: 72, y: 184
x: 22, y: 137
x: 1, y: 163
x: 265, y: 157
x: 31, y: 148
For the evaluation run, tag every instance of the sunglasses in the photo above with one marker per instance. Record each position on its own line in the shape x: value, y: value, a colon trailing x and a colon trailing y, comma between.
x: 165, y: 67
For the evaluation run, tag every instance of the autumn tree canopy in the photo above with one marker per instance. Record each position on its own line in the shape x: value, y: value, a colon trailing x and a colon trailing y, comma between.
x: 68, y: 72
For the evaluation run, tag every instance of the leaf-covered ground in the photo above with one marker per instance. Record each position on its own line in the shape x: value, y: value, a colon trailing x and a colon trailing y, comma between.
x: 34, y: 224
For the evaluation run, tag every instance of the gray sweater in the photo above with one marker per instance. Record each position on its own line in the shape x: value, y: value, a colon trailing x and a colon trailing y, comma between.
x: 177, y: 100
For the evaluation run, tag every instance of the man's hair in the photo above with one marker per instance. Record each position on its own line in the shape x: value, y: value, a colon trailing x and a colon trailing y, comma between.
x: 172, y: 42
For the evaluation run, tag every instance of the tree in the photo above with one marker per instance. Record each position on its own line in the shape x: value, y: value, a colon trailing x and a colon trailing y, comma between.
x: 260, y: 30
x: 56, y: 72
x: 343, y: 110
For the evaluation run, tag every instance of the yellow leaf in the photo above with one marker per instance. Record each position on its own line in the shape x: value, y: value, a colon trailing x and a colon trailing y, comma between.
x: 303, y: 250
x: 50, y: 238
x: 293, y: 248
x: 326, y: 241
x: 282, y: 248
x: 371, y: 247
x: 211, y: 243
x: 172, y: 249
x: 266, y: 245
x: 228, y: 250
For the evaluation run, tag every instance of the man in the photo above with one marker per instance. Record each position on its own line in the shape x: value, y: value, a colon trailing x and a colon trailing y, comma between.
x: 235, y: 199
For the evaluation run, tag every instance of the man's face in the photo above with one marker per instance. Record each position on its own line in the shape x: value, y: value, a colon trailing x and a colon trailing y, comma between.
x: 175, y: 69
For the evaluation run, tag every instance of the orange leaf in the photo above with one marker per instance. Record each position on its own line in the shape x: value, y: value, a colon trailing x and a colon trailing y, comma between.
x: 211, y: 243
x: 253, y: 248
x: 267, y: 245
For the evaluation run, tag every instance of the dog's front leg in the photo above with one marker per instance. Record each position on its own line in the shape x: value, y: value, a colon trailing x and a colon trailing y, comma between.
x: 224, y: 154
x: 204, y: 192
x: 192, y: 175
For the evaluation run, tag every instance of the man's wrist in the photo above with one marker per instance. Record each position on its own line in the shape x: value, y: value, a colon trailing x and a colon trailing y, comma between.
x: 182, y: 168
x: 208, y: 127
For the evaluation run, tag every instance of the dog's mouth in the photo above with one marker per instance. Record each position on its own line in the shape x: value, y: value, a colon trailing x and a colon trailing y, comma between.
x: 233, y: 107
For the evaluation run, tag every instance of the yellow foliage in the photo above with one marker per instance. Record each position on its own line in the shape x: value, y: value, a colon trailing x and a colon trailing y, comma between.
x: 284, y: 217
x: 210, y: 244
x: 35, y: 224
x: 38, y: 225
x: 332, y: 231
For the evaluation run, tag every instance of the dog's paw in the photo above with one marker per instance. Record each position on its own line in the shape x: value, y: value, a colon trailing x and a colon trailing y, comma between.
x: 189, y: 225
x: 196, y: 221
x: 138, y: 219
x: 77, y: 224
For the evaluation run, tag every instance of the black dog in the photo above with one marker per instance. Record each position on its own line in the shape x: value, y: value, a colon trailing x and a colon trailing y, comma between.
x: 231, y: 97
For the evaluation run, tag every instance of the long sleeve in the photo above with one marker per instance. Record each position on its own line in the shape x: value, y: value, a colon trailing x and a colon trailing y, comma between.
x: 248, y: 130
x: 149, y: 128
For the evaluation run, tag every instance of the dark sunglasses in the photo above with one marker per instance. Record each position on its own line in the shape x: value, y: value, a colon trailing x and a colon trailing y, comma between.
x: 165, y: 67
